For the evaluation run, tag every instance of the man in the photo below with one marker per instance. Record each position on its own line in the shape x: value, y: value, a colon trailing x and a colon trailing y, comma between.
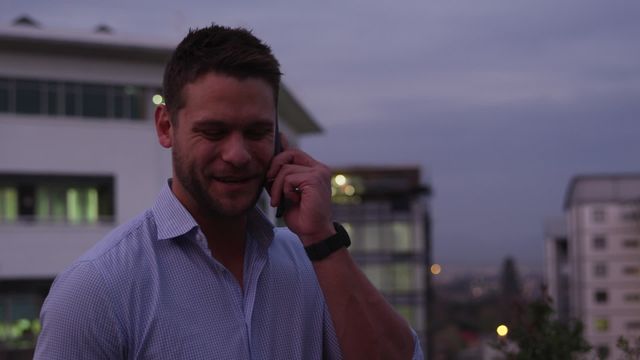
x: 202, y: 274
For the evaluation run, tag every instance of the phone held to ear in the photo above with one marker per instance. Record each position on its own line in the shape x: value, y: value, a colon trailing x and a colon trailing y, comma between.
x: 282, y: 207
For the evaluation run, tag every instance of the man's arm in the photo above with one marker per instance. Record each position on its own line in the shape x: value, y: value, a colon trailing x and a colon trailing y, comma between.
x: 366, y: 325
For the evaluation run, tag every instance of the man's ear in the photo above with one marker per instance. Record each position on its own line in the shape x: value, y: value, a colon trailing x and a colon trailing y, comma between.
x: 164, y: 128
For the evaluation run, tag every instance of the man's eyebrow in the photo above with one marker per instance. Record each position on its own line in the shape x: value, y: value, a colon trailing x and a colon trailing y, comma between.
x: 215, y: 123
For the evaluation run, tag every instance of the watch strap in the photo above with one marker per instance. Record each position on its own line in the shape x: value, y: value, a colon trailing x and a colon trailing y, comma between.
x: 328, y: 246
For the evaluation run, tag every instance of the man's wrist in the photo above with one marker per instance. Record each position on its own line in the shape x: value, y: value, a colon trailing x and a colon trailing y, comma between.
x: 322, y: 249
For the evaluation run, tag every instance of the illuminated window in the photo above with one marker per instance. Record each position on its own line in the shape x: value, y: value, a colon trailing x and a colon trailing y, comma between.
x: 408, y: 312
x: 371, y: 239
x: 401, y: 235
x: 45, y: 198
x: 8, y: 204
x: 601, y: 324
x: 402, y: 277
x: 375, y: 274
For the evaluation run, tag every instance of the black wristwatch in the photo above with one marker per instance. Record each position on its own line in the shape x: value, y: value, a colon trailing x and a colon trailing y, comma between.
x: 328, y: 246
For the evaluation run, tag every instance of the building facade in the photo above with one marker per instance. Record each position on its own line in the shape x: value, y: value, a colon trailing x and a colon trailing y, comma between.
x: 603, y: 258
x: 78, y: 153
x: 385, y: 210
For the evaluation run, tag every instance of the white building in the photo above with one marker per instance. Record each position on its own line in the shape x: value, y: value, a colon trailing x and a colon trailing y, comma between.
x: 78, y: 149
x: 603, y: 250
x: 386, y: 211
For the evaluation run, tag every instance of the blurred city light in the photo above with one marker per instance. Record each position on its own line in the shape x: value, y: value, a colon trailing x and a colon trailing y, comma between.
x: 340, y: 180
x: 502, y: 330
x: 349, y: 190
x: 436, y: 269
x: 157, y: 99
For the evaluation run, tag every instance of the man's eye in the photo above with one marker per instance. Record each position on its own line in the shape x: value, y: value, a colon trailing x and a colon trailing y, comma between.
x: 257, y: 134
x: 214, y: 135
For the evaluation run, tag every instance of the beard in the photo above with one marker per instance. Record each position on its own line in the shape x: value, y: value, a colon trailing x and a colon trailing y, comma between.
x: 195, y: 184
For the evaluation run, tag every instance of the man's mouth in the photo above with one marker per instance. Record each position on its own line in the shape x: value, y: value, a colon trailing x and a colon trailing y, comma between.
x: 234, y: 179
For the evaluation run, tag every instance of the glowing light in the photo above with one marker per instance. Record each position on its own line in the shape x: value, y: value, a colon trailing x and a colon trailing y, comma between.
x: 157, y: 99
x: 502, y: 330
x: 349, y: 190
x: 340, y: 179
x: 436, y: 269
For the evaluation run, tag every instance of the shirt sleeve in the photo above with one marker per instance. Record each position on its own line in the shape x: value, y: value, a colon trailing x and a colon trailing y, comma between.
x: 78, y: 319
x: 417, y: 348
x: 331, y: 346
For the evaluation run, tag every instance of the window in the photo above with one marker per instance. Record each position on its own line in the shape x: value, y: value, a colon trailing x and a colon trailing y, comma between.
x: 8, y: 204
x: 600, y: 270
x: 633, y: 325
x: 632, y: 297
x: 601, y: 296
x: 603, y: 351
x: 601, y: 324
x: 408, y: 312
x: 631, y: 270
x: 44, y: 97
x: 598, y: 215
x: 599, y: 242
x: 631, y: 216
x: 49, y: 198
x: 402, y: 277
x: 71, y: 99
x: 371, y: 236
x: 4, y: 95
x: 631, y: 243
x: 94, y: 101
x: 53, y: 99
x: 28, y: 97
x: 401, y: 236
x: 374, y: 273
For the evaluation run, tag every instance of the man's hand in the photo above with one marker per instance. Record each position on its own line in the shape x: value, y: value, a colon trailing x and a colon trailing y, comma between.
x: 306, y: 185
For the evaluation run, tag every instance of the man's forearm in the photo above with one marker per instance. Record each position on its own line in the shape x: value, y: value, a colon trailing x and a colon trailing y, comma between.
x: 366, y: 325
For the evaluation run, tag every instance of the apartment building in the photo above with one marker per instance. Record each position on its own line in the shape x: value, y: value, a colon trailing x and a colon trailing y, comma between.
x: 602, y: 258
x: 78, y: 152
x: 385, y: 210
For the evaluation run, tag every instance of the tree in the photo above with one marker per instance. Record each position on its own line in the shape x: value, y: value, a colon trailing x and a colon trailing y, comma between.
x: 537, y: 335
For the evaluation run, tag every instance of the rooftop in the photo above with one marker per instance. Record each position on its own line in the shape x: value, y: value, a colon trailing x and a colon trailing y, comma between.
x: 600, y: 188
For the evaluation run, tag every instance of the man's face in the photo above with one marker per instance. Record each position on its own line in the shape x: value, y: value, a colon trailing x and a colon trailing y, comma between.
x: 223, y: 143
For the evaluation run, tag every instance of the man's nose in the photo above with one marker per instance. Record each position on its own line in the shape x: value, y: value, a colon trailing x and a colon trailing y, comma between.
x: 235, y: 151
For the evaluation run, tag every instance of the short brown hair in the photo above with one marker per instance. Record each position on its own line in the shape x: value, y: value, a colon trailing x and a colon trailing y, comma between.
x: 231, y: 51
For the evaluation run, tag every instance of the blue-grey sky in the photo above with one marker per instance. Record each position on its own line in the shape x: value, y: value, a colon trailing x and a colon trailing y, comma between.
x: 499, y: 101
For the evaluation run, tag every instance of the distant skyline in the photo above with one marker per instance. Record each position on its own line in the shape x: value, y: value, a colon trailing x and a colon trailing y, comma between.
x: 499, y: 102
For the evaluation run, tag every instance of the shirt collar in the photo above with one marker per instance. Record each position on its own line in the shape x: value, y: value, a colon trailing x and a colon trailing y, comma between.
x: 173, y: 220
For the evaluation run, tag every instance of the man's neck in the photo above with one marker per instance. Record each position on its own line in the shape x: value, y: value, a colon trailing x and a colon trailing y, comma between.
x: 226, y: 236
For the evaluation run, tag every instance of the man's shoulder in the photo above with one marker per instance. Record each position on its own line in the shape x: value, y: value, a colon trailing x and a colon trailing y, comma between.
x: 121, y: 248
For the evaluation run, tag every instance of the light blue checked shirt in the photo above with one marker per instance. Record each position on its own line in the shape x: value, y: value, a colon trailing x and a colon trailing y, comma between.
x: 151, y: 290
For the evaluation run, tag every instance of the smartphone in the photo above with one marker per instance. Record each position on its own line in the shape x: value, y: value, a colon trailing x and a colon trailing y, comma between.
x: 282, y: 207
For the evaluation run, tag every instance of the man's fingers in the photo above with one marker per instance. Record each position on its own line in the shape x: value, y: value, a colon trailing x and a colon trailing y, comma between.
x: 292, y: 156
x: 284, y: 182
